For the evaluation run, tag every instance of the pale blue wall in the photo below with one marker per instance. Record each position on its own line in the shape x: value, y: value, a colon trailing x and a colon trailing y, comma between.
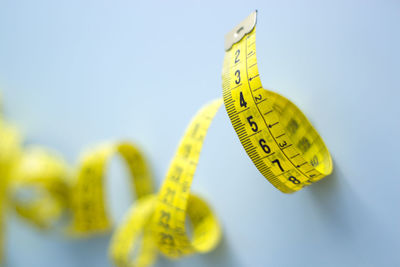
x: 76, y: 72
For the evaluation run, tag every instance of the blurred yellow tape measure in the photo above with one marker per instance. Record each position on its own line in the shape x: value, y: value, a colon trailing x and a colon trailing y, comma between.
x: 276, y: 135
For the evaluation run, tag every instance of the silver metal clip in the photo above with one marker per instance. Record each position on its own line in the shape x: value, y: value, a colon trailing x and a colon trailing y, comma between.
x: 240, y: 30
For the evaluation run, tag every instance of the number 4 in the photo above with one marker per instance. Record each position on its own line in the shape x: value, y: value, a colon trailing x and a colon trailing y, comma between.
x: 243, y: 103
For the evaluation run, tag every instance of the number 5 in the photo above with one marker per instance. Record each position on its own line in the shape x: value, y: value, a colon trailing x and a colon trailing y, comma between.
x: 252, y: 123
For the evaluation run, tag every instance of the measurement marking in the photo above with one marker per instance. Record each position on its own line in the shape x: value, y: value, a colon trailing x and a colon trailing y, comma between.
x: 261, y: 101
x: 280, y: 135
x: 255, y: 90
x: 247, y: 73
x: 295, y: 156
x: 254, y: 133
x: 238, y: 122
x: 268, y: 155
x: 270, y: 126
x: 266, y: 113
x: 251, y: 78
x: 298, y: 166
x: 243, y: 110
x: 314, y: 176
x: 250, y: 54
x: 310, y: 170
x: 286, y: 146
x: 283, y: 173
x: 234, y: 65
x: 240, y: 84
x: 253, y: 65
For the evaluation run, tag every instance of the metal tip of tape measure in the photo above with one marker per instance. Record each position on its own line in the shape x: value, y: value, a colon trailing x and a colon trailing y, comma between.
x: 243, y: 28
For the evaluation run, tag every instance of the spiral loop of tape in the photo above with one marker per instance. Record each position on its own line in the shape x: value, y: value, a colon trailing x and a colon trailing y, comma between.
x: 40, y: 186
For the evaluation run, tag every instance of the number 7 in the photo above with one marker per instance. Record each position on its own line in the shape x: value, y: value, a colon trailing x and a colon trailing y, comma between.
x: 279, y: 164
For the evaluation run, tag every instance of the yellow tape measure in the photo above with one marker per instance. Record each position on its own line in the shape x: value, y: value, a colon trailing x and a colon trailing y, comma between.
x: 9, y: 154
x: 175, y: 201
x: 88, y: 201
x: 276, y: 135
x: 39, y: 188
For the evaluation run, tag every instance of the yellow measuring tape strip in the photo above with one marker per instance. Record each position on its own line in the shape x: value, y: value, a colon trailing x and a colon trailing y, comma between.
x: 276, y: 135
x: 9, y: 154
x: 163, y: 218
x: 39, y: 188
x: 88, y: 202
x: 175, y: 201
x: 39, y: 185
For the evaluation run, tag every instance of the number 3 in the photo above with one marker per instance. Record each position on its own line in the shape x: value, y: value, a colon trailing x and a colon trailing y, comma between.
x: 237, y: 73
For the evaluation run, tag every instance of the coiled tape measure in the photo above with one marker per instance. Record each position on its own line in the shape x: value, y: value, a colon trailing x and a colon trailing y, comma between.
x: 276, y: 135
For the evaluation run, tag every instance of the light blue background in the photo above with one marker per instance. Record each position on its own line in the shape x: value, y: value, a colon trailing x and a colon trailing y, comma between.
x: 74, y: 73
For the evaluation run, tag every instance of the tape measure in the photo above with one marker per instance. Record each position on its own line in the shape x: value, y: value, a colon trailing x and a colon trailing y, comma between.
x: 9, y: 154
x: 88, y: 202
x: 39, y: 187
x: 276, y: 135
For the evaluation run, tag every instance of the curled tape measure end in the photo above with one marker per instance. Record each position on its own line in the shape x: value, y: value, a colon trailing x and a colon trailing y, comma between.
x: 276, y: 135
